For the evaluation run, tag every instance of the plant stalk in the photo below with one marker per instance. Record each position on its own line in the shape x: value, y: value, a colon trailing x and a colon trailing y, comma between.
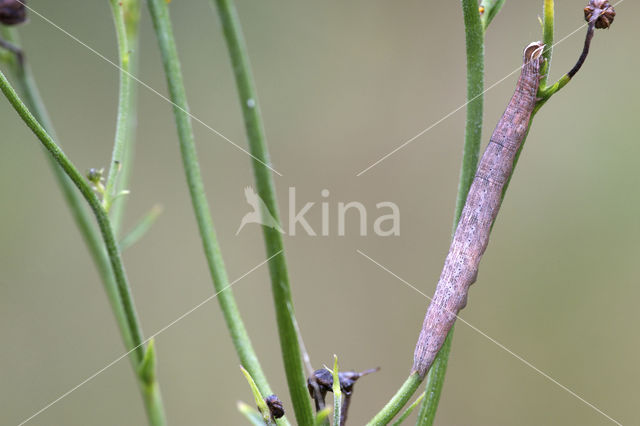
x: 131, y: 17
x: 123, y: 126
x: 152, y: 402
x: 289, y: 339
x: 399, y: 400
x: 474, y: 32
x: 88, y: 231
x: 127, y: 322
x: 164, y: 33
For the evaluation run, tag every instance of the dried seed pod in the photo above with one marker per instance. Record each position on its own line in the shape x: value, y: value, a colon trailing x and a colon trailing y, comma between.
x: 13, y: 12
x: 601, y: 11
x: 276, y: 407
x: 321, y: 382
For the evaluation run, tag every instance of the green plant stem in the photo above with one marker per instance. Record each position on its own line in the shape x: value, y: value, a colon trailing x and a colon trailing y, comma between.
x: 89, y: 196
x: 131, y: 16
x: 547, y: 38
x: 88, y: 231
x: 474, y: 31
x: 141, y: 228
x: 408, y: 411
x: 127, y: 322
x: 289, y: 339
x: 123, y: 127
x: 337, y: 395
x: 164, y: 33
x: 123, y: 153
x: 435, y: 381
x: 473, y: 138
x: 544, y: 92
x: 399, y: 400
x: 122, y: 285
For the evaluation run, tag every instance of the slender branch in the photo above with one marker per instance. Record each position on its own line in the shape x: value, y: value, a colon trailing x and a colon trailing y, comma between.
x: 474, y: 33
x: 141, y: 228
x: 123, y: 127
x: 409, y: 410
x: 131, y: 16
x: 399, y: 400
x: 164, y: 33
x: 88, y: 231
x: 435, y: 382
x: 547, y: 39
x: 121, y: 147
x: 289, y: 339
x: 128, y: 325
x: 124, y: 292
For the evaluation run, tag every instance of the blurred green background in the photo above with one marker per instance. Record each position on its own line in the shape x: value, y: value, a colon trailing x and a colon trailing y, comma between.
x: 341, y: 84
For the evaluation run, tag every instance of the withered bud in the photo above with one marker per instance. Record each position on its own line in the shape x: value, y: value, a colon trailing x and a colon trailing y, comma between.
x: 95, y: 175
x: 276, y: 407
x: 13, y: 12
x: 601, y: 11
x: 323, y: 380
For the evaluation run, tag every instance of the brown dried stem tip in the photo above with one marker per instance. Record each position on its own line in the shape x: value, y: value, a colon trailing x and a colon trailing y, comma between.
x: 599, y: 14
x: 13, y: 12
x: 602, y: 11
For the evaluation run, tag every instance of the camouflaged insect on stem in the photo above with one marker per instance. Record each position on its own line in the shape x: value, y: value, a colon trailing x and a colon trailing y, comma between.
x: 481, y: 208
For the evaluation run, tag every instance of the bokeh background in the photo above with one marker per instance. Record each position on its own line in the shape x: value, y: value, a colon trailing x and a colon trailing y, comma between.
x: 340, y: 84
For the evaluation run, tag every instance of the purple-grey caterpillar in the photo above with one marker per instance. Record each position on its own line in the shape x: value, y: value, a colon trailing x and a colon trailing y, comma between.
x: 480, y: 210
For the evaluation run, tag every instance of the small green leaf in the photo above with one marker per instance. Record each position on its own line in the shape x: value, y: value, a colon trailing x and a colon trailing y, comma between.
x: 262, y: 405
x: 147, y: 367
x: 322, y: 417
x: 489, y: 9
x: 337, y: 393
x: 141, y: 228
x: 251, y: 414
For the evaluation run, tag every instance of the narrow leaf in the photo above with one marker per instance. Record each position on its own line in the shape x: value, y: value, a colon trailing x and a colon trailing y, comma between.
x: 141, y: 228
x: 488, y: 10
x: 250, y: 414
x: 322, y: 418
x: 409, y: 410
x: 262, y: 405
x: 337, y: 393
x: 147, y: 367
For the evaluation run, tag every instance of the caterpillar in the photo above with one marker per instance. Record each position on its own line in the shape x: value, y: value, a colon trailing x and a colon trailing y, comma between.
x: 480, y: 210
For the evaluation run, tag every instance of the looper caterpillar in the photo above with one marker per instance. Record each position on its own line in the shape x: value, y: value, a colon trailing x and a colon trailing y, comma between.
x: 481, y: 208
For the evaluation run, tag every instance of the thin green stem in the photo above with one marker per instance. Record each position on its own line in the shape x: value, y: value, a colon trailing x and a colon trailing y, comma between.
x: 399, y: 400
x: 409, y: 410
x: 547, y: 39
x: 435, y: 381
x: 122, y: 153
x: 337, y: 395
x: 141, y: 228
x: 164, y: 33
x: 125, y: 318
x: 474, y: 32
x: 131, y: 16
x: 123, y: 128
x: 88, y: 231
x: 544, y: 92
x: 104, y: 225
x: 281, y: 290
